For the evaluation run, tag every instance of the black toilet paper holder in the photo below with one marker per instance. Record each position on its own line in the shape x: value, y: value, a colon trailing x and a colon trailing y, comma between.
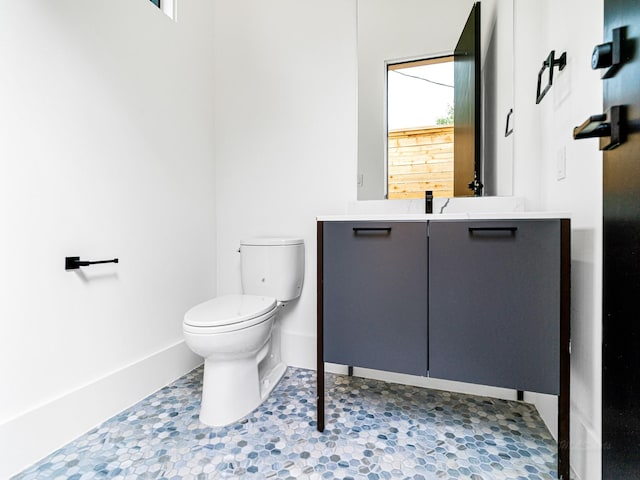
x: 73, y: 263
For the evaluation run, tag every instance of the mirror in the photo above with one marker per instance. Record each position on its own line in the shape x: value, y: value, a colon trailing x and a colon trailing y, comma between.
x: 395, y: 31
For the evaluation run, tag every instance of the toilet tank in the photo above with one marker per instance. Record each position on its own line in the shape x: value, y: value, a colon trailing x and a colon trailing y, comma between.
x: 272, y: 267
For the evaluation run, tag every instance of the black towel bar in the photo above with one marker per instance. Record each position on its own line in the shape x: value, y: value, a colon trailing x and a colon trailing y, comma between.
x: 550, y: 62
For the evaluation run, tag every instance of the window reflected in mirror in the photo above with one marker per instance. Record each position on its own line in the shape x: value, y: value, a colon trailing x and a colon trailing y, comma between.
x: 420, y: 117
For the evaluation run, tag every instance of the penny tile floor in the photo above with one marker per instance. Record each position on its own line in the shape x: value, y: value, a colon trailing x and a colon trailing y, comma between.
x: 375, y: 430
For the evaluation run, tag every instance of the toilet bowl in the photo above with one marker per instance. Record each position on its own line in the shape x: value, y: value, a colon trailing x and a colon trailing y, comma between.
x: 237, y: 335
x: 232, y: 333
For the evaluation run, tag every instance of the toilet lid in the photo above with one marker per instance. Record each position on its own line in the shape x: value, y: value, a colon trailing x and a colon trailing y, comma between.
x: 228, y: 309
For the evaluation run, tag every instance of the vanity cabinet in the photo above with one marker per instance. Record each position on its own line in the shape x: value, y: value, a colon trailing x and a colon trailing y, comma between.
x: 478, y: 301
x: 375, y: 295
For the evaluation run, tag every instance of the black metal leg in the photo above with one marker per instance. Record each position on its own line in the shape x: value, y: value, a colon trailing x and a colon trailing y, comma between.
x: 320, y: 334
x: 320, y: 397
x: 564, y: 399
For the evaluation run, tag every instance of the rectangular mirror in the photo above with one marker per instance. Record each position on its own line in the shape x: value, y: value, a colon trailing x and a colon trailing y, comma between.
x: 394, y: 32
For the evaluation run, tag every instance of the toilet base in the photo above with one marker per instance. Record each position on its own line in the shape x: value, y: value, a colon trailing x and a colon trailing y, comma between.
x: 271, y: 367
x: 225, y: 399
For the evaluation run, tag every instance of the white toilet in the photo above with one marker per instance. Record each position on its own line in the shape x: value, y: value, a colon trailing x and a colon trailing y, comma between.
x: 235, y: 333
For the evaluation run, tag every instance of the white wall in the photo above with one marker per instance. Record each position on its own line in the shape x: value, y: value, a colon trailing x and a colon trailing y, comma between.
x: 497, y: 47
x: 107, y: 151
x: 284, y: 135
x: 543, y: 132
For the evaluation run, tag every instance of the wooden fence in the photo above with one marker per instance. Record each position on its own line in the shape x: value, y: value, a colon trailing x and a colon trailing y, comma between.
x: 421, y: 159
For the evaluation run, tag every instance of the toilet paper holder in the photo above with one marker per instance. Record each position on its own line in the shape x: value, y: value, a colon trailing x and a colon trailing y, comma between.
x: 73, y: 263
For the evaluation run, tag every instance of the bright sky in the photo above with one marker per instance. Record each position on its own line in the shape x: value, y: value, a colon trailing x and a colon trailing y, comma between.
x: 416, y: 103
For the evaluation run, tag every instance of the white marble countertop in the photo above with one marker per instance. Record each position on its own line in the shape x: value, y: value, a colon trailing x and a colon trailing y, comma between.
x: 416, y: 217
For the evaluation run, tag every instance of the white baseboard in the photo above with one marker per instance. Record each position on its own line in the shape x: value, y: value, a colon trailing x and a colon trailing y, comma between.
x: 547, y: 406
x: 298, y: 349
x: 426, y: 382
x: 586, y: 448
x: 32, y: 435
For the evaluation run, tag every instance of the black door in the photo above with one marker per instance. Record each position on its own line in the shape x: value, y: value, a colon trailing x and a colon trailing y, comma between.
x: 621, y: 302
x: 467, y: 98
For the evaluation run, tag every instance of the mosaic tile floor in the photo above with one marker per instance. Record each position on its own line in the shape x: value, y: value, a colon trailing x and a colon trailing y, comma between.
x: 374, y: 430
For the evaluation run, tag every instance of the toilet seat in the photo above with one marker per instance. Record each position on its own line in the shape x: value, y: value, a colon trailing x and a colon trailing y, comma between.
x: 229, y: 313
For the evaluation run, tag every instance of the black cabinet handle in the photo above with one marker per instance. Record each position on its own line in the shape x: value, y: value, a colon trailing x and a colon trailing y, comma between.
x: 386, y: 230
x: 73, y: 263
x: 511, y: 230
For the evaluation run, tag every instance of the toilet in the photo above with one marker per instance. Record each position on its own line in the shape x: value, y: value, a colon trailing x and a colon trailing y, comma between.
x: 237, y: 334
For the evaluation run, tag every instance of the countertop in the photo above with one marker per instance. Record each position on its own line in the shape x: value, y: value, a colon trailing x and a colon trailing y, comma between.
x: 416, y: 217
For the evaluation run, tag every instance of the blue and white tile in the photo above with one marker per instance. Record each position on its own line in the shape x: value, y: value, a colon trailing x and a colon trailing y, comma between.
x: 374, y: 430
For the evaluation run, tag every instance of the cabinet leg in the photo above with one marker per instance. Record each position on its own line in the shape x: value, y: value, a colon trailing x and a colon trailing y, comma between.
x: 563, y: 438
x: 350, y: 371
x: 564, y: 398
x: 320, y: 332
x: 520, y: 395
x: 320, y: 396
